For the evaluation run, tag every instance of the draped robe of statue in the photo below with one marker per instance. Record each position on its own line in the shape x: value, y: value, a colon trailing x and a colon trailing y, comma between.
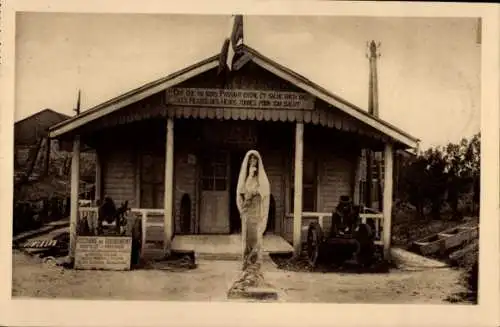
x: 252, y: 199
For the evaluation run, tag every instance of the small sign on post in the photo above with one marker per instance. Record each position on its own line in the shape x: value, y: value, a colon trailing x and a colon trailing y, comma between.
x: 103, y: 252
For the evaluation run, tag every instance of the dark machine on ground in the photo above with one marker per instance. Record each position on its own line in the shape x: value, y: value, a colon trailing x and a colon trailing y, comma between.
x: 347, y: 239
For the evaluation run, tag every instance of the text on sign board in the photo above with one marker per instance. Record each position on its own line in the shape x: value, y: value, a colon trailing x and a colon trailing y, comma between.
x: 107, y: 253
x: 240, y: 98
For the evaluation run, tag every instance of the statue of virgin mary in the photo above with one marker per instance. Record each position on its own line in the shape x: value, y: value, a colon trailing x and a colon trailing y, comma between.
x: 252, y: 199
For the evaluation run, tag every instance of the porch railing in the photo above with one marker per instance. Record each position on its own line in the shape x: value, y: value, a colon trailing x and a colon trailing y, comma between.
x: 324, y: 219
x: 84, y: 203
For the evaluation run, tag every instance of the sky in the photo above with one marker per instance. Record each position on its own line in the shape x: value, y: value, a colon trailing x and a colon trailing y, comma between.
x: 429, y: 69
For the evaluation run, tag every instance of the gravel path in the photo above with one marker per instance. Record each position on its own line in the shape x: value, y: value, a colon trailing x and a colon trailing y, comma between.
x: 211, y: 280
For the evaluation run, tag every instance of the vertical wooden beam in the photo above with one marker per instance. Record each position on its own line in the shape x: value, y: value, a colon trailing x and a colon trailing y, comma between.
x: 47, y: 156
x: 137, y: 180
x: 369, y: 178
x: 297, y: 202
x: 75, y: 187
x: 396, y: 171
x: 357, y: 179
x: 318, y: 168
x: 196, y: 223
x: 388, y: 184
x: 144, y: 228
x: 169, y: 189
x: 380, y: 184
x: 98, y: 177
x: 318, y: 188
x: 287, y: 177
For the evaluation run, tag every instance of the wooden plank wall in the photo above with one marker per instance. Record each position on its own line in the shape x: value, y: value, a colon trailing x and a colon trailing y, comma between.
x: 185, y: 175
x: 119, y: 175
x: 274, y: 166
x: 336, y: 160
x: 336, y: 171
x: 121, y: 148
x: 335, y: 179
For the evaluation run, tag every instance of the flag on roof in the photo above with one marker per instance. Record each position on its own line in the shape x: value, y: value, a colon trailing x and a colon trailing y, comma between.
x: 229, y: 51
x: 78, y: 102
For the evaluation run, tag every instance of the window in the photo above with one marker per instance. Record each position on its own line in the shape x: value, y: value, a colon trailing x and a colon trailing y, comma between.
x: 214, y: 173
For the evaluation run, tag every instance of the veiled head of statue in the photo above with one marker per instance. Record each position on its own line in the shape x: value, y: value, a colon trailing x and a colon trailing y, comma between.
x: 253, y: 165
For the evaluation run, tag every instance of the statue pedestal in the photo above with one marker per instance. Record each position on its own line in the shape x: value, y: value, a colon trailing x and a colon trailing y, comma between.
x: 251, y: 285
x: 255, y: 293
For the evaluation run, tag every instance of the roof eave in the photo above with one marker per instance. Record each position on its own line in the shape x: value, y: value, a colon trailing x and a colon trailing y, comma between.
x: 312, y: 88
x: 394, y: 134
x: 132, y: 96
x: 41, y: 112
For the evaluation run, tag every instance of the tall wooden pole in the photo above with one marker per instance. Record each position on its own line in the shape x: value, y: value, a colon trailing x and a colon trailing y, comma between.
x: 373, y: 87
x: 388, y: 185
x: 297, y: 200
x: 373, y: 110
x: 75, y: 187
x: 169, y: 189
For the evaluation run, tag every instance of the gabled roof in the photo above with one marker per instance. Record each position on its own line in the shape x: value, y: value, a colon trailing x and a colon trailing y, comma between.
x: 29, y: 130
x: 212, y: 62
x: 41, y: 112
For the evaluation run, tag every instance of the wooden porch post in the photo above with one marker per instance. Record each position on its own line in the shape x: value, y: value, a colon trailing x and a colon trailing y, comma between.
x: 98, y: 177
x: 169, y: 182
x: 297, y: 201
x: 75, y: 187
x: 388, y: 184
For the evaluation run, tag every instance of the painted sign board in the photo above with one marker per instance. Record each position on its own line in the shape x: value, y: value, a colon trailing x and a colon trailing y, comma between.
x: 103, y: 252
x: 234, y: 98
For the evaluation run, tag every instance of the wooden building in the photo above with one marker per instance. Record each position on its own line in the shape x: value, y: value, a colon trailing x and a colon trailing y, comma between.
x: 30, y: 132
x: 36, y: 156
x: 175, y: 146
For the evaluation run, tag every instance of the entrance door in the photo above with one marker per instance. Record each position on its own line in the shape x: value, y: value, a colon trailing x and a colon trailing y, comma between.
x: 214, y: 209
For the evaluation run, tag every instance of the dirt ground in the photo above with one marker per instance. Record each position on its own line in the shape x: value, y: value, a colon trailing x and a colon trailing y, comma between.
x: 211, y: 280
